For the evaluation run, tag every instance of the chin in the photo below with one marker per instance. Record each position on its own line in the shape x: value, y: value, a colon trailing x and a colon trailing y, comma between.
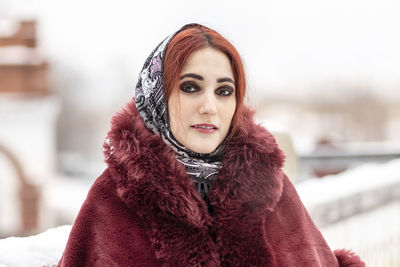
x: 203, y: 149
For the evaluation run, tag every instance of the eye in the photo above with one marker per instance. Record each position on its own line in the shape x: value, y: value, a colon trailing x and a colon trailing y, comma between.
x: 224, y: 91
x: 189, y: 87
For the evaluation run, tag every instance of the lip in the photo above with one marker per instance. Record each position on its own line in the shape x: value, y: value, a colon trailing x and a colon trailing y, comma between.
x: 204, y: 130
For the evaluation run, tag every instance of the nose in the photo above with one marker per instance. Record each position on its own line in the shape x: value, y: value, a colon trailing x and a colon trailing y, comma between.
x: 208, y: 105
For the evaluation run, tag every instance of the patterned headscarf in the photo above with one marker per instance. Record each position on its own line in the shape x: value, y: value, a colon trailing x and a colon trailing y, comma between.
x: 152, y: 105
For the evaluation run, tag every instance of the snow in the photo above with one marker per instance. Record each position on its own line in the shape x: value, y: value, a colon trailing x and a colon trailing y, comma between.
x: 381, y: 248
x: 361, y: 179
x: 19, y: 55
x: 44, y: 249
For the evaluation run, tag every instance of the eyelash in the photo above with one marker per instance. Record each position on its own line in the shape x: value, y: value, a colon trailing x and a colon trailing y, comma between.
x: 195, y: 88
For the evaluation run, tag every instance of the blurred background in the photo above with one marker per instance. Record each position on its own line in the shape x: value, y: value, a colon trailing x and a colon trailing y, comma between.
x: 323, y: 76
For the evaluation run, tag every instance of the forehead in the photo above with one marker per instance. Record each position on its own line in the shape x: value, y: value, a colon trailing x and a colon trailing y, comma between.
x: 209, y: 63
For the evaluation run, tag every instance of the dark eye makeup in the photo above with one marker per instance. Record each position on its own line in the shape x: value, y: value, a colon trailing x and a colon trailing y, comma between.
x: 191, y: 87
x: 225, y: 91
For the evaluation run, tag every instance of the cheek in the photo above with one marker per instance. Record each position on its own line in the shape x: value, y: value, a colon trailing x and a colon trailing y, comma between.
x: 229, y: 111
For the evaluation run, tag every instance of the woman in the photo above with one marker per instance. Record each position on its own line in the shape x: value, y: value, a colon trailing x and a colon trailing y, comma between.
x: 191, y: 180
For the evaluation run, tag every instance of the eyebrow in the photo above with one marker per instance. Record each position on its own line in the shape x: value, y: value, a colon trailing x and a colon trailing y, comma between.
x: 198, y: 77
x: 221, y: 80
x: 191, y: 75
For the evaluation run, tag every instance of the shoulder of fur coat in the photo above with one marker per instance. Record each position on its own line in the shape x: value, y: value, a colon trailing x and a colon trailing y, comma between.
x: 144, y: 208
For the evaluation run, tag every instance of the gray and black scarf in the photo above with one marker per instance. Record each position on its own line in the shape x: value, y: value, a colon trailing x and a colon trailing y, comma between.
x: 152, y: 105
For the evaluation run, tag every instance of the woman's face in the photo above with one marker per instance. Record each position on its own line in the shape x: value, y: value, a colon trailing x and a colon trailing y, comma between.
x: 202, y: 107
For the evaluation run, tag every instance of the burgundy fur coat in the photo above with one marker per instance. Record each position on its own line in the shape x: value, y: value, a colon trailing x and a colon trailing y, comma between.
x: 144, y: 211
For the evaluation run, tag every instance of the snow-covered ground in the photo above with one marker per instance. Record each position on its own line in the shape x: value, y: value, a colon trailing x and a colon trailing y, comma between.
x: 40, y: 250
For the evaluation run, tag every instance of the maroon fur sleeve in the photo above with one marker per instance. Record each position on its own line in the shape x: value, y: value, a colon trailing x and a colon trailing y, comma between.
x: 106, y: 233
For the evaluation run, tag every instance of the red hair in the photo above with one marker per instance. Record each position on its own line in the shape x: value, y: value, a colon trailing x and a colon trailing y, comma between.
x: 191, y: 38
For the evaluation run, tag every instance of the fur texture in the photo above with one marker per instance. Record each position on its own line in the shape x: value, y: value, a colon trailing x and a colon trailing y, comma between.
x: 348, y: 258
x: 144, y: 210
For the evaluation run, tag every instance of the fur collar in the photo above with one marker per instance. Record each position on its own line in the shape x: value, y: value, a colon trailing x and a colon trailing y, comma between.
x: 156, y: 186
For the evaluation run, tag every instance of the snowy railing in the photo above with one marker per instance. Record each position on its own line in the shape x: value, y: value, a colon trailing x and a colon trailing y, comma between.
x: 374, y: 236
x: 359, y: 210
